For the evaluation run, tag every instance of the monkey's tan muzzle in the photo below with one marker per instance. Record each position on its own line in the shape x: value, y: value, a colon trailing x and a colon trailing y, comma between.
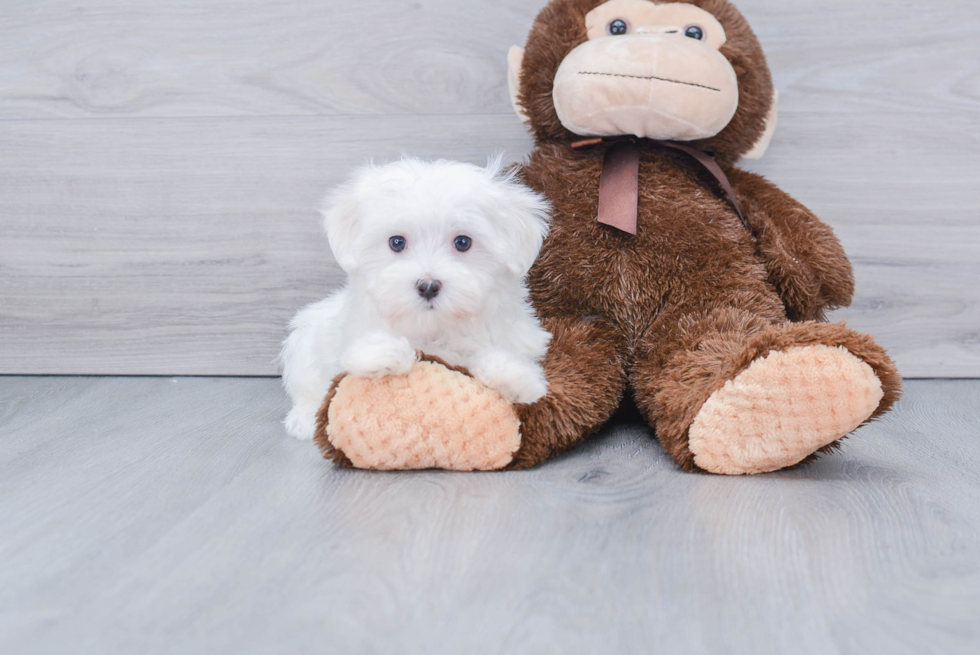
x: 659, y: 86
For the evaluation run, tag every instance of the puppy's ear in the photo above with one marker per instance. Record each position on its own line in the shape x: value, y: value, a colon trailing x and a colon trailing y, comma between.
x: 340, y: 217
x: 522, y: 216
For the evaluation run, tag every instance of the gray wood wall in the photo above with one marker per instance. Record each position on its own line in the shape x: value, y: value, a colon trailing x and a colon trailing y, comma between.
x: 160, y: 162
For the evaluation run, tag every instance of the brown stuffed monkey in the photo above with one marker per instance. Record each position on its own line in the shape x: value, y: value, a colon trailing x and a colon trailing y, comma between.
x: 699, y: 288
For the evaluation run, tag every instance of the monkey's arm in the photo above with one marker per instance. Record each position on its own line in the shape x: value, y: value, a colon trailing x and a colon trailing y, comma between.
x: 803, y: 257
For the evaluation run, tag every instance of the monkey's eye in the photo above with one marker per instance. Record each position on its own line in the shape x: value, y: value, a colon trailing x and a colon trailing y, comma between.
x: 618, y: 27
x: 397, y: 243
x: 462, y: 243
x: 694, y: 32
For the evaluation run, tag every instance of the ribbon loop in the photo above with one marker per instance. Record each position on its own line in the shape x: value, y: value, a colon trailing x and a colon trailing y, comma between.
x: 619, y: 187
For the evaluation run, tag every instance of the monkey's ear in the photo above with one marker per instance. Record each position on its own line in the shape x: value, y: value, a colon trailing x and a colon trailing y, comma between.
x: 760, y: 147
x: 515, y: 59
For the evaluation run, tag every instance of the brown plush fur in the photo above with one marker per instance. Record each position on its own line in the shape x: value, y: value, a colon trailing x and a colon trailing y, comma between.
x: 690, y: 301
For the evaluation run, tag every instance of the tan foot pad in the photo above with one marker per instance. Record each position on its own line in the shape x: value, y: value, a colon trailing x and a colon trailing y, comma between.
x: 783, y: 408
x: 433, y: 417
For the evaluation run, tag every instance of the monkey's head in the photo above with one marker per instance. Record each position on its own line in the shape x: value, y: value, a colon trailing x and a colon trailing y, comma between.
x: 684, y: 71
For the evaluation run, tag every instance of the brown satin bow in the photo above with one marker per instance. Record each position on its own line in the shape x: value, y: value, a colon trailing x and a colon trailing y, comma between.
x: 619, y: 186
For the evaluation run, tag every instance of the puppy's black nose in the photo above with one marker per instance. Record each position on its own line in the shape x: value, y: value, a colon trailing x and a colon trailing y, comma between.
x: 428, y: 289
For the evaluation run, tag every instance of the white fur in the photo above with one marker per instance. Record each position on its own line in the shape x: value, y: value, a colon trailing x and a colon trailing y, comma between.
x: 375, y: 324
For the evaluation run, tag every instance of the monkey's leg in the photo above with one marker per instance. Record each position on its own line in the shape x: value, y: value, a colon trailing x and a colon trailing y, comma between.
x: 586, y: 379
x: 734, y: 390
x: 436, y: 417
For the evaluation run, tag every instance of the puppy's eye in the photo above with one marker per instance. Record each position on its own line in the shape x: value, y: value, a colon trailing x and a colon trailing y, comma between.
x: 462, y: 243
x: 618, y: 27
x: 694, y: 32
x: 397, y: 243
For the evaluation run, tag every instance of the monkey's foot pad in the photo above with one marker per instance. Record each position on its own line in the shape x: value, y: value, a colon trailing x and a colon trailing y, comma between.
x: 783, y: 408
x: 433, y: 417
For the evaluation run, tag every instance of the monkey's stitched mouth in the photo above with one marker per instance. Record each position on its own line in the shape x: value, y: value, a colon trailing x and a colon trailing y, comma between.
x: 650, y: 77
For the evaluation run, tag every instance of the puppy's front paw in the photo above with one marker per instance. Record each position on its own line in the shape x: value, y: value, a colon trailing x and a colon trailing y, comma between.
x: 517, y: 380
x: 376, y: 356
x: 301, y: 422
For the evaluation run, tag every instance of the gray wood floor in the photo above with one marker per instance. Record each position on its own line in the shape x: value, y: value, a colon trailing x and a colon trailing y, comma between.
x: 161, y: 162
x: 173, y: 515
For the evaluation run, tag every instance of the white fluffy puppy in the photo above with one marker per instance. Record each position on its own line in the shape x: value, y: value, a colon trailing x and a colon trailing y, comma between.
x: 436, y: 255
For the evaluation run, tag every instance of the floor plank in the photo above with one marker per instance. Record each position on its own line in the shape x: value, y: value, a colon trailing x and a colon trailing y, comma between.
x: 173, y: 515
x: 111, y: 58
x: 183, y: 246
